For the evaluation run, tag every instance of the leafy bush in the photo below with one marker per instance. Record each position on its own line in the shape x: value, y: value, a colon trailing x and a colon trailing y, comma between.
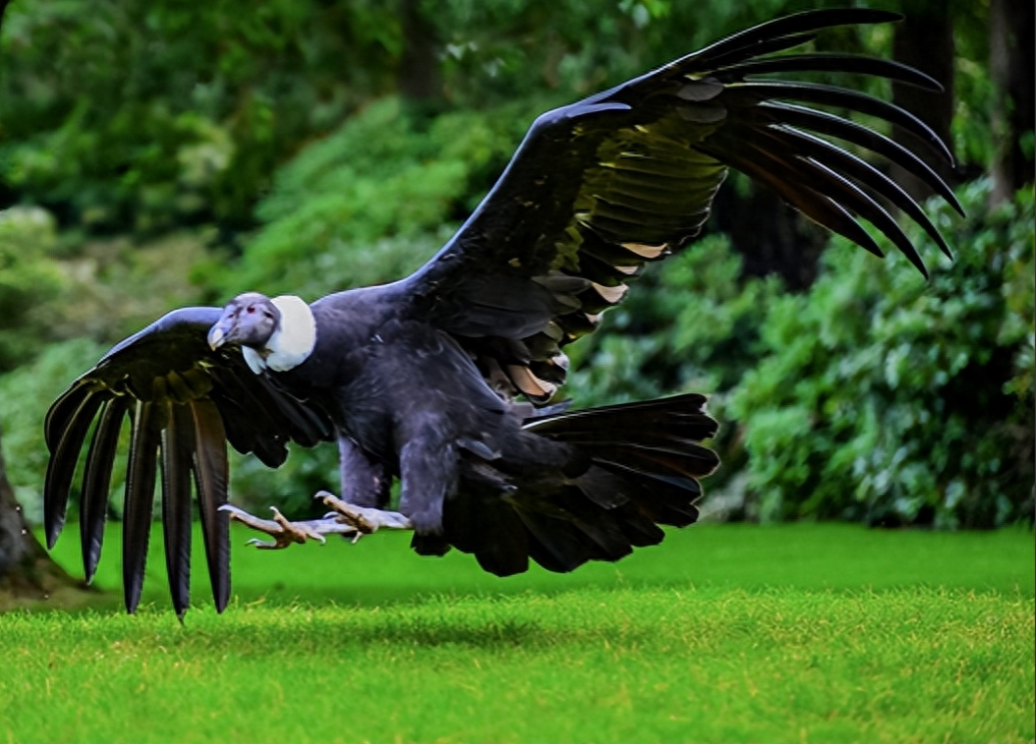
x: 29, y: 277
x: 25, y: 395
x: 890, y: 399
x: 374, y: 200
x: 690, y: 324
x: 145, y: 116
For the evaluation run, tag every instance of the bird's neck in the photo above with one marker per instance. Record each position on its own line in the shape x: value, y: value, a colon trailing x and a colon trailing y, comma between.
x: 293, y: 341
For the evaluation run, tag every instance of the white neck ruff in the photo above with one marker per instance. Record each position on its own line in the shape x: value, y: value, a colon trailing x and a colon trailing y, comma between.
x: 293, y: 341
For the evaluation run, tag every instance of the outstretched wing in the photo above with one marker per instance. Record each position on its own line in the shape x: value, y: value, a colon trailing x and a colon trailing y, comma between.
x: 184, y: 402
x: 600, y: 187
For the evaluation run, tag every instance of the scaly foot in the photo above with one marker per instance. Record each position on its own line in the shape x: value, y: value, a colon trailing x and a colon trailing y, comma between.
x: 365, y: 520
x: 285, y: 532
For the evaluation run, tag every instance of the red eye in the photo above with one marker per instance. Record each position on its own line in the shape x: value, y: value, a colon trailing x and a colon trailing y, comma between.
x: 251, y: 309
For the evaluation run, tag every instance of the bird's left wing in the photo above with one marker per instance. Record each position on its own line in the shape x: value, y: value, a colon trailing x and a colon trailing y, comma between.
x: 604, y: 185
x: 184, y: 402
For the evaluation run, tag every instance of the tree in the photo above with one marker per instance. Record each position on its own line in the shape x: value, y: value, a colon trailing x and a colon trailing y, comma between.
x: 27, y: 573
x: 924, y: 39
x: 1011, y: 62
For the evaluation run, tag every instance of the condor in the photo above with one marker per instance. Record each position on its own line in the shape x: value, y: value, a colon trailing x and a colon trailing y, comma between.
x: 437, y: 379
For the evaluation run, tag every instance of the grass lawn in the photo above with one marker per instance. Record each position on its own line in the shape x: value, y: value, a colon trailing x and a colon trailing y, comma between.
x: 801, y: 633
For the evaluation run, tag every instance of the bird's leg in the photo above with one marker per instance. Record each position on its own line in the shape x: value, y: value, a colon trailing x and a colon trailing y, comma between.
x: 285, y: 532
x: 428, y: 473
x: 363, y: 519
x: 365, y: 480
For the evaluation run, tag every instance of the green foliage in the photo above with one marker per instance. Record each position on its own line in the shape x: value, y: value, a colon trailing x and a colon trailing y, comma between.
x: 516, y: 48
x: 691, y: 324
x: 25, y: 395
x: 374, y: 200
x: 888, y: 398
x: 146, y: 116
x: 141, y: 116
x: 29, y: 277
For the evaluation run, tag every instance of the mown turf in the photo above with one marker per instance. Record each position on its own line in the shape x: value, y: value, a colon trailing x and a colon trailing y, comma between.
x: 725, y: 633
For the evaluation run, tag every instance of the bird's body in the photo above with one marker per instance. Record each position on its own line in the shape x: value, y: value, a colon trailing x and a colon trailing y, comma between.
x: 422, y: 379
x: 406, y: 401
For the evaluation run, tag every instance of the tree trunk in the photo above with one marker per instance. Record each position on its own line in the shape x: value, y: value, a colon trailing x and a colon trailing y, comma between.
x: 924, y: 40
x: 28, y: 576
x: 770, y: 236
x: 1011, y: 62
x: 419, y: 81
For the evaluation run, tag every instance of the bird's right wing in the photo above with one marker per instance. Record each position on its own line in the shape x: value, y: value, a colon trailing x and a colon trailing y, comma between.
x: 185, y: 402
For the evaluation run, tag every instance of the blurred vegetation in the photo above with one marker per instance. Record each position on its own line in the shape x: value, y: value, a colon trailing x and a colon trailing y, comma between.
x: 30, y: 281
x: 164, y: 154
x: 883, y: 397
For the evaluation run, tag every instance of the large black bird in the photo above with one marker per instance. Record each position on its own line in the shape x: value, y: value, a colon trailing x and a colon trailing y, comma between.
x: 422, y: 379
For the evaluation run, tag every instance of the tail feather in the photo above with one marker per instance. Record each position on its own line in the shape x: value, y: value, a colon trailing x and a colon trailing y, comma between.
x: 639, y: 529
x: 646, y: 461
x: 655, y: 437
x: 502, y: 547
x: 488, y: 528
x: 598, y: 525
x: 665, y: 501
x: 554, y: 543
x: 631, y: 467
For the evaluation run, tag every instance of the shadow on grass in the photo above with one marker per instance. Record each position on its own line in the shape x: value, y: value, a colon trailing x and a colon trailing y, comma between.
x: 399, y: 631
x: 384, y: 572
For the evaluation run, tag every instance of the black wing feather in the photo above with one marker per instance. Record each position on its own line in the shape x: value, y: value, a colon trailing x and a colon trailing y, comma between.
x: 829, y: 95
x: 97, y: 476
x: 828, y: 62
x: 864, y: 173
x: 185, y: 400
x: 211, y: 474
x: 177, y: 445
x: 819, y: 177
x: 140, y: 496
x: 822, y: 122
x: 599, y: 188
x: 749, y: 41
x: 737, y: 55
x: 73, y: 421
x: 817, y: 206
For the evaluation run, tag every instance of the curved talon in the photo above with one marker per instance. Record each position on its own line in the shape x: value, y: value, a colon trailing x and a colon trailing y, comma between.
x: 298, y: 531
x: 365, y: 520
x: 345, y: 519
x: 285, y: 532
x: 266, y: 545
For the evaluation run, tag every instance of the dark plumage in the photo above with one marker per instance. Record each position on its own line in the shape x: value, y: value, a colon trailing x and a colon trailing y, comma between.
x: 416, y: 379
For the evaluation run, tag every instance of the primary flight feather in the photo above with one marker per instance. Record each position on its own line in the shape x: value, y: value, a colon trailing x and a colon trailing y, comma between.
x: 421, y: 380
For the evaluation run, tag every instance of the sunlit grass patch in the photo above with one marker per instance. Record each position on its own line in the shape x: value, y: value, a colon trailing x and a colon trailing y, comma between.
x: 811, y: 633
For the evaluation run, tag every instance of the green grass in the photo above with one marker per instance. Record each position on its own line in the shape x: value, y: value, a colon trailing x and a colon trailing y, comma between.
x: 818, y: 633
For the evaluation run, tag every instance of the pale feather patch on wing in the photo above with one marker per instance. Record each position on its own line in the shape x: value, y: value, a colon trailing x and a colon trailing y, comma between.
x: 529, y: 383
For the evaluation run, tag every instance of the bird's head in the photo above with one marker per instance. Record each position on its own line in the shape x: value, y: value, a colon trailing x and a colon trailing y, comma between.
x: 248, y: 320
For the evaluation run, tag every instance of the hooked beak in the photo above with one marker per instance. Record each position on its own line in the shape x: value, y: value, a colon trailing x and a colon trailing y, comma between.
x: 218, y: 333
